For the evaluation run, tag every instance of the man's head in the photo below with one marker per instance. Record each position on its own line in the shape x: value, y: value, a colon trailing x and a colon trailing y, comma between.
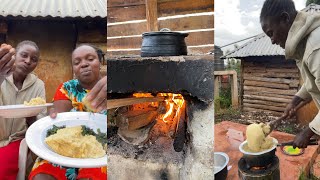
x: 276, y: 18
x: 27, y: 57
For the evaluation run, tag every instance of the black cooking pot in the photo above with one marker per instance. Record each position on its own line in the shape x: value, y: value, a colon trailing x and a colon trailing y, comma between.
x: 259, y: 159
x: 221, y: 161
x: 163, y: 43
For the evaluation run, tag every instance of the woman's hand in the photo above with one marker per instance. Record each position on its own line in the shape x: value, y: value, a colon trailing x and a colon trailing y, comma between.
x: 98, y: 95
x: 52, y: 113
x: 60, y: 106
x: 7, y: 60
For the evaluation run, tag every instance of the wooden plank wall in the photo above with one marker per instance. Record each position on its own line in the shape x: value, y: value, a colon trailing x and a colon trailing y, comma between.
x: 125, y: 39
x: 93, y: 32
x: 268, y: 85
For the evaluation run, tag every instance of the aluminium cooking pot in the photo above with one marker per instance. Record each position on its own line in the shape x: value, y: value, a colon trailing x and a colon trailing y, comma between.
x: 163, y: 43
x: 221, y: 161
x: 259, y: 159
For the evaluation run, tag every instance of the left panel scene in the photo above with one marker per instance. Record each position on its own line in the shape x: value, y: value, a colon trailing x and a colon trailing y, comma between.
x: 53, y: 96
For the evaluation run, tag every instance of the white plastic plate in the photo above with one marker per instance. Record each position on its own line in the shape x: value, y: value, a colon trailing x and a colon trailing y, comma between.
x: 20, y: 110
x: 36, y: 135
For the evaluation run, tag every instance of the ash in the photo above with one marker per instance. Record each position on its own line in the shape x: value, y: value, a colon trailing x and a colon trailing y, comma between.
x: 155, y: 149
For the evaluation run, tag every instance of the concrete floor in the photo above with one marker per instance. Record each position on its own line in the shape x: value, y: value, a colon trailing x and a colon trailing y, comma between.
x: 229, y: 135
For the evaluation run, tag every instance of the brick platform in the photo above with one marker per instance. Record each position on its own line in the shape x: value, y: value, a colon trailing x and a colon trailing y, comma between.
x: 289, y: 165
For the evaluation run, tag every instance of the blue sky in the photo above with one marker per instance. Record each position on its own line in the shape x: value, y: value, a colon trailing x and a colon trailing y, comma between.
x: 239, y: 19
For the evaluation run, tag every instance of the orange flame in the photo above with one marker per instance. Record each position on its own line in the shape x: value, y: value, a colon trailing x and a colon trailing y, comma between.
x: 169, y: 112
x: 174, y: 102
x: 142, y: 95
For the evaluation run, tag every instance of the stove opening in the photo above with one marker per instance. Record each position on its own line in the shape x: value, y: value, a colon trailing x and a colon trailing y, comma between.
x: 146, y: 123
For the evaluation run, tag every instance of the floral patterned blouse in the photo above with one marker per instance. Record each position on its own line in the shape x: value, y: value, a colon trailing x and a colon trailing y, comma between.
x: 73, y: 91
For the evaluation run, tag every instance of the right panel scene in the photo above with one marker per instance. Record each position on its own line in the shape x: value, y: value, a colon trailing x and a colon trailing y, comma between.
x: 160, y: 82
x: 267, y: 89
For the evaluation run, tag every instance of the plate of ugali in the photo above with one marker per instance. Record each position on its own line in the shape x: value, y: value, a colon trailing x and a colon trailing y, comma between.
x: 72, y: 139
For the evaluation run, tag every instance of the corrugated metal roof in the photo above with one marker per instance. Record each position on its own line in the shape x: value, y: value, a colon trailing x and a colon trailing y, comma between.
x: 54, y: 8
x: 261, y: 45
x: 312, y: 8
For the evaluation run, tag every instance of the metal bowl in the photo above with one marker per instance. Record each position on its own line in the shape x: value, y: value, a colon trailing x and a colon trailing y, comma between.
x: 221, y: 161
x: 260, y: 159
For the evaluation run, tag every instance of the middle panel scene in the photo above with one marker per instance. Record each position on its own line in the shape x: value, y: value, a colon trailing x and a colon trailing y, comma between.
x: 160, y: 56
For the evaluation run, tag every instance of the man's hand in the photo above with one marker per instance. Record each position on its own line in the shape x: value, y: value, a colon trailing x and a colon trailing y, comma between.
x: 7, y: 60
x: 302, y: 139
x: 289, y: 111
x: 293, y: 106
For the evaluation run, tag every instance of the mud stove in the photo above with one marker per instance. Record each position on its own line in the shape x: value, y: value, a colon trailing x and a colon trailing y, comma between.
x: 168, y: 139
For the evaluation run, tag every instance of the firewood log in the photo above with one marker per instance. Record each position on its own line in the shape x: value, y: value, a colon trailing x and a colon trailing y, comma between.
x: 132, y: 120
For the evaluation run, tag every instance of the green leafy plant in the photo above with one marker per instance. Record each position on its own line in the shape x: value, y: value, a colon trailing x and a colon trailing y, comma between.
x: 101, y: 137
x: 54, y: 130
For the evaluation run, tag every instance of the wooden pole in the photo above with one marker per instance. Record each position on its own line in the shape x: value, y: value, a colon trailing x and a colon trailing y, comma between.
x: 234, y: 85
x: 216, y: 86
x: 234, y: 90
x: 152, y: 15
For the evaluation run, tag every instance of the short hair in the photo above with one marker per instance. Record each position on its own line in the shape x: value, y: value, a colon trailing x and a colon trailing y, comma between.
x: 27, y: 42
x: 276, y: 7
x: 99, y: 52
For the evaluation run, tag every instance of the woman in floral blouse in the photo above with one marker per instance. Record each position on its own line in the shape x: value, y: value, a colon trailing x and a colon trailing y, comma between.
x: 86, y: 61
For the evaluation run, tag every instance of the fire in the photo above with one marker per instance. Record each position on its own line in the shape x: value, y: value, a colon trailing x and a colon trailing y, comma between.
x: 173, y: 103
x: 169, y: 112
x: 142, y: 95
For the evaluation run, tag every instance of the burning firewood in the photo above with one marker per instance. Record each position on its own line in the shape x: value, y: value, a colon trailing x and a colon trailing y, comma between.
x: 133, y: 120
x: 136, y: 137
x: 180, y: 135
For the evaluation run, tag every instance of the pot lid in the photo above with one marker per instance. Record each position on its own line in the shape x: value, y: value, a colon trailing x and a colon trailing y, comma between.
x: 165, y: 31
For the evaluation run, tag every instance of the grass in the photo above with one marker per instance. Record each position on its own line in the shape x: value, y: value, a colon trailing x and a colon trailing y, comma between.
x: 226, y: 114
x: 287, y: 129
x: 303, y: 176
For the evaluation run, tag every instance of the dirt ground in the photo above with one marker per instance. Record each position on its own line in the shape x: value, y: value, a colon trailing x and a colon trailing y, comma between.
x: 288, y: 126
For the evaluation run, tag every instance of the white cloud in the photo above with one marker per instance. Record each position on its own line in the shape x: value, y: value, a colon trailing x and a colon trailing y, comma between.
x: 228, y: 17
x: 239, y: 19
x: 255, y: 14
x: 300, y: 4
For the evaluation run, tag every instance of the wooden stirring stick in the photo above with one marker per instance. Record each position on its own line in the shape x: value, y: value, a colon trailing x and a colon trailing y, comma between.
x: 275, y: 123
x: 290, y: 143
